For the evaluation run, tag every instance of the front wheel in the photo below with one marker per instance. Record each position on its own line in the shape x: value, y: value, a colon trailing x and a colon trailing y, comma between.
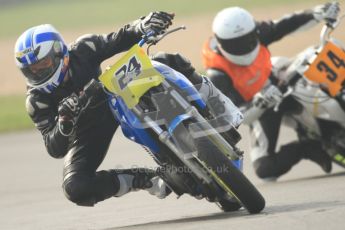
x: 231, y: 179
x: 229, y: 206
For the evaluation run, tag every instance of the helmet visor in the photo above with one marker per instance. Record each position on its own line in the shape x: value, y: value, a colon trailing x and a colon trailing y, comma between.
x: 42, y: 70
x: 240, y: 45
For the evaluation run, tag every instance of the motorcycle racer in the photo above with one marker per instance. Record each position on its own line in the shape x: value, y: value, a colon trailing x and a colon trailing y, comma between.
x: 56, y: 74
x: 238, y: 62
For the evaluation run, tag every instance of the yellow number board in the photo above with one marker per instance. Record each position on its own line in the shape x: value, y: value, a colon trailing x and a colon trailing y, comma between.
x: 328, y: 68
x: 131, y: 76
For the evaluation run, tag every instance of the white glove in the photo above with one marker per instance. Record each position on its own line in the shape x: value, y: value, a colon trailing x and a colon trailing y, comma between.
x: 327, y: 12
x: 157, y: 22
x: 268, y: 97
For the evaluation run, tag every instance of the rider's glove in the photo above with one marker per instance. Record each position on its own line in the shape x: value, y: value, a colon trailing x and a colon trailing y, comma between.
x: 268, y: 97
x: 157, y: 22
x: 327, y: 12
x: 69, y: 110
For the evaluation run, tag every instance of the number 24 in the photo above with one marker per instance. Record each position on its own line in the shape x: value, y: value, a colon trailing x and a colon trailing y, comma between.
x: 127, y: 72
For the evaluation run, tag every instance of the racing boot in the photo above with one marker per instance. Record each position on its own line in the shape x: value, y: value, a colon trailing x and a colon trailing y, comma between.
x: 136, y: 179
x: 313, y: 151
x: 219, y: 104
x: 158, y: 188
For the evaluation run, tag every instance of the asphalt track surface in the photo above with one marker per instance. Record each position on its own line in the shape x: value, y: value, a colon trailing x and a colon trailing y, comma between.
x: 31, y: 196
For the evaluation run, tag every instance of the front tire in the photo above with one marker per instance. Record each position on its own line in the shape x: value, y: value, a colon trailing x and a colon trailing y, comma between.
x: 229, y: 206
x: 241, y: 188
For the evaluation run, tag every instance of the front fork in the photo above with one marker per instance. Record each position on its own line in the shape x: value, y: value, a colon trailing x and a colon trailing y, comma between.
x: 175, y: 105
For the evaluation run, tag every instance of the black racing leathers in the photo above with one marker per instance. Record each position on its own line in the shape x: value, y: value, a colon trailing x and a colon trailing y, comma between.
x: 267, y: 162
x: 85, y: 149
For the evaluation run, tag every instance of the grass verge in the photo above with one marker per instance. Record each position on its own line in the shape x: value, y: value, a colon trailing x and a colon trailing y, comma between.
x: 13, y: 115
x: 77, y: 14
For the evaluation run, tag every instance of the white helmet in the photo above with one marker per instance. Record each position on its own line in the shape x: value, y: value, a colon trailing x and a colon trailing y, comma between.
x: 235, y: 31
x: 42, y: 56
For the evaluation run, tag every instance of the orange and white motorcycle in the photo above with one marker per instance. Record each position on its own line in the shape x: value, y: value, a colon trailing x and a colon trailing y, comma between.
x: 313, y: 83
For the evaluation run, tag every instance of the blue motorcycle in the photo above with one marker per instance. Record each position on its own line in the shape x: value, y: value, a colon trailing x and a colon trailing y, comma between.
x: 160, y: 109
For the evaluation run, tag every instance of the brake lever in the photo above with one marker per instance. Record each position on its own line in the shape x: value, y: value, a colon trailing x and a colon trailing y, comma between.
x: 160, y: 37
x: 155, y: 40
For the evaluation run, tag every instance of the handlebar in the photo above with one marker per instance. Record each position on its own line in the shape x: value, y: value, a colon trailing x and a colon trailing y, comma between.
x: 154, y: 38
x: 146, y: 38
x: 328, y: 28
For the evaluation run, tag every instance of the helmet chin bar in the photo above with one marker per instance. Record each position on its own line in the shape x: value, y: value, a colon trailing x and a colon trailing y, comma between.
x: 242, y: 60
x: 240, y: 45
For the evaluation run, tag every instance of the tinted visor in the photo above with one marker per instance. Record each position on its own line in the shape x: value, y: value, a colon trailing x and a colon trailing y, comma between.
x: 241, y: 45
x: 42, y: 70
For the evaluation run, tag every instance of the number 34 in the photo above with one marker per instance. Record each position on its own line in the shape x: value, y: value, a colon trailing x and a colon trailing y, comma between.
x: 337, y: 63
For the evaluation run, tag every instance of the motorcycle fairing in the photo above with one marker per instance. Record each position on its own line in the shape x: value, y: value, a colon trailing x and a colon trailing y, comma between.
x: 131, y: 126
x: 131, y: 76
x: 142, y: 74
x: 180, y: 81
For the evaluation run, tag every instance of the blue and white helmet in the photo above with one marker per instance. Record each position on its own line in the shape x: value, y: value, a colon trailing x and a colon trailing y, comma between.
x: 42, y: 55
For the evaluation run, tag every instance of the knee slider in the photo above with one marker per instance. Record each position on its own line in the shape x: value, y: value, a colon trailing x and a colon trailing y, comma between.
x: 76, y: 189
x: 265, y: 167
